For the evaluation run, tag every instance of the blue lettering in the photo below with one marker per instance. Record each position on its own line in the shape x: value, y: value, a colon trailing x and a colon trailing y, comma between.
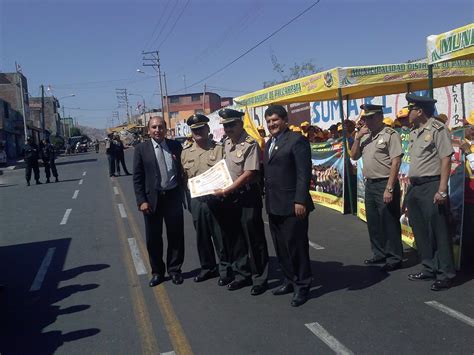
x: 316, y: 112
x: 386, y: 110
x: 326, y: 117
x: 353, y: 108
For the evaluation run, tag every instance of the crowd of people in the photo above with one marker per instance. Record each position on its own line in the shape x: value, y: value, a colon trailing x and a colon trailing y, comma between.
x: 114, y: 148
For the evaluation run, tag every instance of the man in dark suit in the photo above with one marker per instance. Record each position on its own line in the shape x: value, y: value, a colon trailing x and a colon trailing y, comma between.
x: 287, y: 168
x: 158, y: 184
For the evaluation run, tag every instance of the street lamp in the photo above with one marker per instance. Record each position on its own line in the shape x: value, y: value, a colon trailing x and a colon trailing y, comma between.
x: 64, y: 116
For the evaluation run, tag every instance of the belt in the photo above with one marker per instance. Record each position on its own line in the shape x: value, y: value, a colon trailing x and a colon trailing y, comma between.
x: 373, y: 181
x: 166, y: 192
x: 423, y: 180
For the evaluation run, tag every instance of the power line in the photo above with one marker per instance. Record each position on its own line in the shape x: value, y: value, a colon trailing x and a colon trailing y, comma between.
x: 157, y: 24
x: 174, y: 24
x: 256, y: 45
x: 166, y: 23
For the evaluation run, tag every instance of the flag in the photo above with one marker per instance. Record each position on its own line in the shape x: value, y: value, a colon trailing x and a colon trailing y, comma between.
x: 249, y: 126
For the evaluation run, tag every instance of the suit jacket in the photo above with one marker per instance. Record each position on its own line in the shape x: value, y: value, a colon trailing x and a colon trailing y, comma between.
x: 287, y: 174
x: 146, y: 172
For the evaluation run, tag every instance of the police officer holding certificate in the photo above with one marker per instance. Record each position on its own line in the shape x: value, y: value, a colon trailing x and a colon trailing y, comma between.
x: 381, y: 150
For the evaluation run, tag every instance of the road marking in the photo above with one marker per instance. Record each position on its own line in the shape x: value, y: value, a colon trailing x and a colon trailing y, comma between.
x: 169, y: 353
x: 123, y: 214
x: 75, y: 194
x: 266, y: 222
x: 318, y: 330
x: 66, y: 216
x: 84, y: 173
x: 116, y: 191
x: 38, y: 281
x: 315, y: 246
x: 81, y: 181
x: 451, y: 312
x: 136, y: 257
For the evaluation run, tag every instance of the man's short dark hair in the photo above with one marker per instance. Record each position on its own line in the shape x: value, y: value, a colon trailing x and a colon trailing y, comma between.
x: 276, y: 110
x: 156, y: 118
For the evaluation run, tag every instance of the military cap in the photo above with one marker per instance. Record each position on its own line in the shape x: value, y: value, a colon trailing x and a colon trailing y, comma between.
x: 333, y: 128
x: 404, y: 112
x: 304, y: 124
x: 370, y: 109
x: 388, y: 121
x: 419, y: 101
x: 228, y: 115
x: 197, y: 121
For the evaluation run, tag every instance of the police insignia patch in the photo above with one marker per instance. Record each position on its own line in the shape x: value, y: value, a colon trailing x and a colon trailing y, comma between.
x: 427, y: 137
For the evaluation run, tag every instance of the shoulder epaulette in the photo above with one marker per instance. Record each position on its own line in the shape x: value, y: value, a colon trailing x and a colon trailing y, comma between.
x: 390, y: 130
x: 437, y: 125
x: 249, y: 139
x: 187, y: 145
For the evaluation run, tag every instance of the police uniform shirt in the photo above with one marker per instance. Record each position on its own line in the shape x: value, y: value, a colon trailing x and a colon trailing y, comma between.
x: 196, y: 160
x: 378, y: 152
x: 428, y: 145
x: 242, y: 156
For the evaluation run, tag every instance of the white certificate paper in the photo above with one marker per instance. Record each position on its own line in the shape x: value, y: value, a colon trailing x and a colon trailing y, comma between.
x: 217, y: 177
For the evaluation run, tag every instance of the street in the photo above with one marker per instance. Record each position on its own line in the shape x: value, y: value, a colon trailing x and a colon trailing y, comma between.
x: 74, y: 264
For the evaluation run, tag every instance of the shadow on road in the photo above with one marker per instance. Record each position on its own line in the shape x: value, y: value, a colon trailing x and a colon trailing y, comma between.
x: 25, y: 314
x: 8, y: 185
x: 76, y: 161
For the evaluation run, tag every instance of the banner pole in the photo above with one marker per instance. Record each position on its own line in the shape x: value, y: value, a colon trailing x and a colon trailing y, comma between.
x: 344, y: 150
x: 430, y: 80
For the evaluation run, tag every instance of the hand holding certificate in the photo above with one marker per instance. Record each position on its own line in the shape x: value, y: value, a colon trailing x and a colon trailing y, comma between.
x: 216, y: 178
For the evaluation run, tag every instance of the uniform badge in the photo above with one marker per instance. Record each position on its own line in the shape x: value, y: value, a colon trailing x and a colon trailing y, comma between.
x: 212, y: 157
x: 238, y: 153
x: 428, y: 137
x: 242, y: 144
x: 276, y: 147
x: 380, y: 141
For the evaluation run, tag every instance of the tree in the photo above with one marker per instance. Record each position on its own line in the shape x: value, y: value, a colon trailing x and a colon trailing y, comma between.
x: 305, y: 68
x: 75, y: 132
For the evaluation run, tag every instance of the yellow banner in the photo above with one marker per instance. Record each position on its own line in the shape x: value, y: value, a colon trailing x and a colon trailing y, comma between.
x: 455, y: 44
x: 328, y: 200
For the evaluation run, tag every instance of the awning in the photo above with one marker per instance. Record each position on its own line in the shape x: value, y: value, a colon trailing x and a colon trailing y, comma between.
x: 452, y: 45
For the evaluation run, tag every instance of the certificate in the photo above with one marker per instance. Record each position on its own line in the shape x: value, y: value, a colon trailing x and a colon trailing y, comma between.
x: 216, y: 178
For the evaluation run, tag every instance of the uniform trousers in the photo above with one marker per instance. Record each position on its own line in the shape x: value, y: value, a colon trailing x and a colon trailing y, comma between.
x: 169, y: 209
x: 383, y: 221
x: 209, y: 235
x: 430, y: 227
x: 50, y: 166
x: 120, y: 159
x: 32, y: 165
x: 111, y: 159
x: 290, y: 238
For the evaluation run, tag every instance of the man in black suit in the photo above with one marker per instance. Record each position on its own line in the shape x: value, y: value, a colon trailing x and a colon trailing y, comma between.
x: 287, y: 168
x: 158, y: 184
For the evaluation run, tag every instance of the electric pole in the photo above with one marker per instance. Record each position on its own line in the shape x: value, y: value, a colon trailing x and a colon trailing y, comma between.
x: 122, y: 98
x: 42, y: 112
x: 152, y: 59
x: 167, y: 102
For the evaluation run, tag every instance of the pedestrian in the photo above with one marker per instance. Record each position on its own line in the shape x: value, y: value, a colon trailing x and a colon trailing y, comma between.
x: 48, y: 154
x: 381, y: 150
x: 287, y: 167
x: 119, y: 155
x: 430, y: 166
x: 249, y: 248
x: 198, y: 155
x: 97, y: 145
x: 31, y: 154
x: 110, y: 151
x: 159, y: 192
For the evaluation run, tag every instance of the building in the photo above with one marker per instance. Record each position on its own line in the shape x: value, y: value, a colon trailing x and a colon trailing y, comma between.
x: 52, y: 120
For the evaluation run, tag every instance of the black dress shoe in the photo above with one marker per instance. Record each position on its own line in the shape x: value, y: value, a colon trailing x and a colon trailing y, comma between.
x: 238, y: 284
x: 156, y: 280
x: 28, y: 183
x: 223, y: 281
x: 47, y: 181
x: 299, y: 298
x: 206, y: 276
x: 391, y: 266
x: 57, y: 179
x: 441, y: 285
x: 259, y: 289
x: 420, y: 277
x: 374, y: 261
x: 177, y: 278
x: 283, y: 290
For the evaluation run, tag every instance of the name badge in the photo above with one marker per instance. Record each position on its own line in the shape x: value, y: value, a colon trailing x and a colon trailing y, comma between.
x: 428, y: 137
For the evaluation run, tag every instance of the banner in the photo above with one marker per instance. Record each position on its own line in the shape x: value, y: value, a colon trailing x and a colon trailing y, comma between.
x: 458, y: 43
x: 327, y: 182
x: 456, y: 191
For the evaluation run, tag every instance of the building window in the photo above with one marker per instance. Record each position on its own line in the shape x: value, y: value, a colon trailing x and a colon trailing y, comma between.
x: 174, y: 100
x: 199, y: 112
x: 174, y: 114
x: 195, y: 97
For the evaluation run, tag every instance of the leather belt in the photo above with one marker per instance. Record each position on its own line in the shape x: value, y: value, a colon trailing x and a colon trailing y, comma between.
x: 414, y: 181
x: 373, y: 181
x: 165, y: 192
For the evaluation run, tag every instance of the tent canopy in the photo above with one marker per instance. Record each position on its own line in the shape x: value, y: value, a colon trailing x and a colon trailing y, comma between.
x: 452, y: 45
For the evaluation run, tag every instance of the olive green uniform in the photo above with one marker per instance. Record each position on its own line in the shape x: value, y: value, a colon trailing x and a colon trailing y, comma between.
x: 205, y: 210
x: 249, y: 246
x: 428, y: 145
x: 383, y: 219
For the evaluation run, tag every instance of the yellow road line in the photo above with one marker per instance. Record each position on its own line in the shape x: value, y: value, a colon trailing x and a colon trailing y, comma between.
x: 175, y: 331
x: 140, y: 311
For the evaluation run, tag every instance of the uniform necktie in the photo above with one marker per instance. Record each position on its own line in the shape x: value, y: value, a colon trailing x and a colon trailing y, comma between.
x: 160, y: 157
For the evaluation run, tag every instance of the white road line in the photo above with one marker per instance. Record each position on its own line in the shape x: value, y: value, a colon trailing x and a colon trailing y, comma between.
x: 137, y: 259
x: 84, y: 173
x: 266, y: 222
x: 75, y: 194
x: 81, y: 181
x: 66, y: 216
x: 451, y: 312
x: 318, y: 330
x: 116, y: 191
x: 123, y: 214
x: 169, y: 353
x: 38, y: 281
x: 315, y: 246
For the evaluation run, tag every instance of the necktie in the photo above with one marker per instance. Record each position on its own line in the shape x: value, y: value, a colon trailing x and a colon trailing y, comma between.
x: 272, y: 145
x: 160, y: 157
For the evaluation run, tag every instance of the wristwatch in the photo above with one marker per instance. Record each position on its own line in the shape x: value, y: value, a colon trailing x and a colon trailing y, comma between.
x: 389, y: 189
x: 443, y: 194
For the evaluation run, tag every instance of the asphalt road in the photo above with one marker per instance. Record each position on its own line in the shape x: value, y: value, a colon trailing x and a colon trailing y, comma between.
x: 75, y: 269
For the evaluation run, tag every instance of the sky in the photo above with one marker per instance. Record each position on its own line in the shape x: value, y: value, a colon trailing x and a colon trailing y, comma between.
x: 90, y: 48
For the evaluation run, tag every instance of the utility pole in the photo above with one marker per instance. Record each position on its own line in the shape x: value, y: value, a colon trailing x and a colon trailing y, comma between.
x: 152, y: 59
x: 122, y: 98
x: 25, y: 128
x: 115, y: 116
x: 42, y: 112
x: 185, y: 86
x: 167, y: 102
x: 204, y: 100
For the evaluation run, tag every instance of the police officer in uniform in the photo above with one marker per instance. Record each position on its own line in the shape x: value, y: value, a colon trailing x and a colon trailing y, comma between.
x: 48, y: 154
x: 31, y: 154
x: 244, y: 199
x: 381, y: 150
x: 198, y: 156
x: 430, y: 166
